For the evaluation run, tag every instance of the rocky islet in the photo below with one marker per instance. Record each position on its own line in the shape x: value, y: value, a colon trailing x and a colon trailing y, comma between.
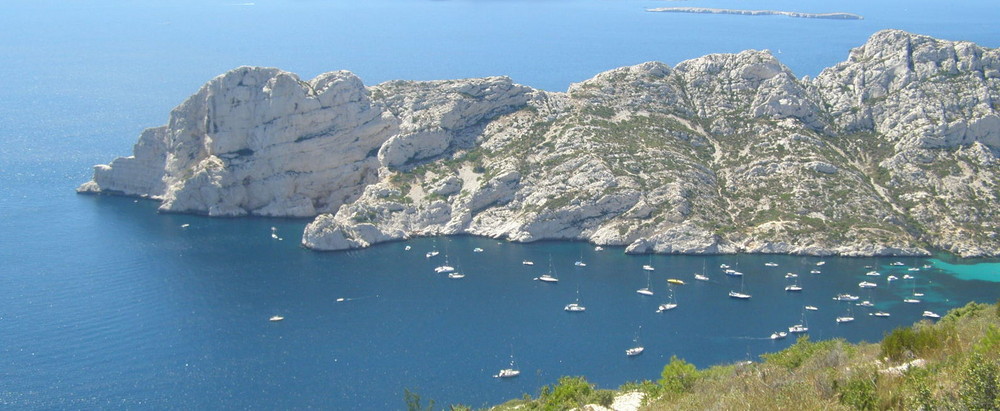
x: 891, y: 152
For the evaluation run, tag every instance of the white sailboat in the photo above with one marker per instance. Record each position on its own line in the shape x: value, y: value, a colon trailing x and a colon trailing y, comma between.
x: 846, y: 318
x: 549, y: 277
x: 740, y: 295
x: 670, y: 305
x: 637, y: 348
x: 444, y: 268
x: 456, y: 275
x: 509, y: 372
x: 575, y: 307
x: 647, y: 290
x: 580, y: 263
x: 800, y: 327
x: 702, y: 276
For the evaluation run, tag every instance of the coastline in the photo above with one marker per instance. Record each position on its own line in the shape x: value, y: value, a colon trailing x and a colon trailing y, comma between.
x: 705, y: 10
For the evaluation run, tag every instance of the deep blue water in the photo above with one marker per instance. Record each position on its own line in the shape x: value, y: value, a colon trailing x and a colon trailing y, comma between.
x: 106, y: 304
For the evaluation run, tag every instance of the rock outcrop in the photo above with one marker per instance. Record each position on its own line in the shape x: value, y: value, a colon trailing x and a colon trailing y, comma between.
x: 892, y: 152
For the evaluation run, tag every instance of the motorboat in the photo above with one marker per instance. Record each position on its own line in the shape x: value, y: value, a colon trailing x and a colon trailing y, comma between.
x: 845, y: 319
x: 866, y: 284
x: 880, y: 314
x: 741, y: 296
x: 812, y: 308
x: 793, y: 287
x: 432, y: 253
x: 770, y: 264
x: 845, y: 297
x: 911, y: 300
x: 791, y: 275
x: 276, y: 318
x: 648, y: 267
x: 821, y: 263
x: 580, y: 264
x: 444, y: 268
x: 527, y: 262
x: 931, y: 314
x: 477, y: 250
x: 897, y: 263
x: 456, y: 275
x: 865, y: 303
x: 891, y: 278
x: 778, y: 335
x: 873, y: 273
x: 815, y: 271
x: 574, y: 308
x: 634, y: 351
x: 666, y: 306
x: 675, y: 281
x: 798, y: 328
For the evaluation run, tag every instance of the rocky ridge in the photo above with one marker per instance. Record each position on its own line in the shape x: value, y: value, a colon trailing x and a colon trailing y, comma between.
x: 892, y: 152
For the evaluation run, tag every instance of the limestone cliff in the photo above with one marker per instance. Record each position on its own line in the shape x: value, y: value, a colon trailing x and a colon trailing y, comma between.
x: 892, y: 152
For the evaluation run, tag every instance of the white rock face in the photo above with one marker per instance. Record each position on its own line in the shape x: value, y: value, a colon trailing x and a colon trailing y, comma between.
x: 892, y: 152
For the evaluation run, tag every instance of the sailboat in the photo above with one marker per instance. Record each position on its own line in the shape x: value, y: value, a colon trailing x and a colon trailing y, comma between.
x: 637, y: 348
x: 510, y: 372
x: 445, y: 268
x: 549, y: 277
x: 575, y: 307
x: 580, y: 263
x: 740, y: 295
x: 647, y: 290
x: 702, y: 276
x: 846, y: 318
x: 456, y: 275
x: 668, y: 305
x: 800, y: 327
x: 794, y: 287
x: 913, y: 289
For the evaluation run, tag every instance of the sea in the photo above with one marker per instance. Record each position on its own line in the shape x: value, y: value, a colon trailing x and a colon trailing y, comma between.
x: 107, y: 304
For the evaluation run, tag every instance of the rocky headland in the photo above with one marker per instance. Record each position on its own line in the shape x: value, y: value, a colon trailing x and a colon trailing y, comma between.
x: 704, y: 10
x: 891, y: 152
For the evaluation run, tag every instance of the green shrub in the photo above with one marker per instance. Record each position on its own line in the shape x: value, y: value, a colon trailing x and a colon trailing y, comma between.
x: 678, y: 376
x: 571, y: 392
x: 980, y: 389
x: 797, y: 354
x: 860, y: 392
x: 908, y: 342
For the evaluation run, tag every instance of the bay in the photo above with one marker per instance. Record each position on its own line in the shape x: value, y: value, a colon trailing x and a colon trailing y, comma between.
x: 106, y: 304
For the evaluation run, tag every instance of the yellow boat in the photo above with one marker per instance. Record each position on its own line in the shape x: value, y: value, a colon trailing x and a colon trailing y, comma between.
x: 675, y: 281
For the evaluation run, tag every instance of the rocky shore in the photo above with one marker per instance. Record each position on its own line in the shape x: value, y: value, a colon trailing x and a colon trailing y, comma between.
x: 891, y: 152
x: 703, y: 10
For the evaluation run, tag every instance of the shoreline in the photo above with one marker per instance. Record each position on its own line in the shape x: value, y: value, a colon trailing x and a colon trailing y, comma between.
x: 705, y: 10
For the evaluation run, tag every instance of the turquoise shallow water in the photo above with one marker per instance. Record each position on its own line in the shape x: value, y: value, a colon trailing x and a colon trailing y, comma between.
x: 106, y: 304
x: 983, y: 271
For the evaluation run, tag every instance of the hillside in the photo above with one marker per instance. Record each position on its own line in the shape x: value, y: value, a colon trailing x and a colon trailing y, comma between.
x: 891, y: 152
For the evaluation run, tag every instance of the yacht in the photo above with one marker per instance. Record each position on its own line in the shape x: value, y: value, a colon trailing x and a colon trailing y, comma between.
x: 598, y: 248
x: 821, y: 263
x: 793, y: 287
x: 911, y: 300
x: 723, y: 266
x: 778, y: 335
x: 866, y: 284
x: 891, y: 278
x: 647, y: 290
x: 739, y: 295
x: 845, y: 319
x: 527, y: 262
x: 845, y: 297
x: 732, y: 272
x: 770, y: 264
x: 814, y: 271
x: 647, y: 267
x: 897, y: 263
x: 444, y: 268
x: 931, y: 314
x: 880, y: 314
x: 791, y: 275
x: 873, y: 273
x: 637, y: 348
x: 668, y: 305
x: 276, y: 318
x: 812, y: 308
x: 432, y: 253
x: 575, y: 306
x: 508, y: 373
x: 456, y: 275
x: 907, y: 277
x: 477, y: 250
x: 407, y: 248
x: 549, y: 277
x: 913, y: 269
x: 798, y: 328
x: 865, y: 303
x: 580, y: 264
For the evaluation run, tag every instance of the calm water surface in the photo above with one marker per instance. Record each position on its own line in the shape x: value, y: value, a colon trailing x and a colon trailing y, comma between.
x: 106, y: 304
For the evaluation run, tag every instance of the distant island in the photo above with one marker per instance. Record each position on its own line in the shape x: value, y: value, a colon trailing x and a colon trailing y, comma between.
x: 834, y: 16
